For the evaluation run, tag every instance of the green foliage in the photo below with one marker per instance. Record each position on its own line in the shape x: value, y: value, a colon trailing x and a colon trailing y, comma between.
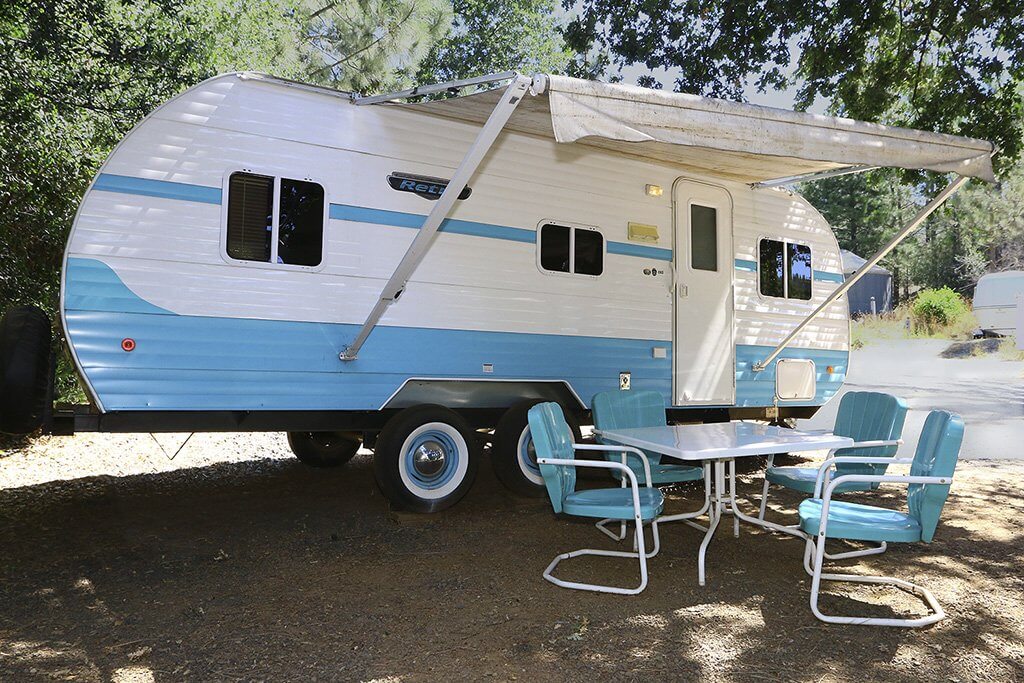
x: 371, y: 46
x: 489, y: 36
x: 940, y: 65
x: 938, y: 308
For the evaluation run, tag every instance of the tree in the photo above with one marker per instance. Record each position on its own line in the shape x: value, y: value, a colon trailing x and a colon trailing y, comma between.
x: 370, y: 46
x: 943, y: 65
x: 489, y: 36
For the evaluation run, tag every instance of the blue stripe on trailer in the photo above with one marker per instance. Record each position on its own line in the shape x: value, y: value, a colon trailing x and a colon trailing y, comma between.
x: 639, y: 250
x: 165, y: 189
x: 743, y: 264
x: 825, y: 276
x: 401, y: 219
x: 109, y: 182
x: 363, y: 214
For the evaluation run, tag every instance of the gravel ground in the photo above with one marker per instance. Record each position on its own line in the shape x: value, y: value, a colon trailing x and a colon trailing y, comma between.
x: 235, y: 562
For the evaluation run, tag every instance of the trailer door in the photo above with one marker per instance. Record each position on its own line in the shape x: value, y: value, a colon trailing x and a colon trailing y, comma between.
x: 704, y: 352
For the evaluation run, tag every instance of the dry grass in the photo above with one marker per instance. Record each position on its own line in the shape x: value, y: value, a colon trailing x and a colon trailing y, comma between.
x: 902, y: 324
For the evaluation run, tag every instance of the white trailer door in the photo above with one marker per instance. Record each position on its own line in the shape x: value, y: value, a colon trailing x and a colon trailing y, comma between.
x: 704, y: 353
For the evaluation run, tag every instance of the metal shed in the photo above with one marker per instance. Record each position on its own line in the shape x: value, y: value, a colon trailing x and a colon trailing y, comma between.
x: 872, y: 294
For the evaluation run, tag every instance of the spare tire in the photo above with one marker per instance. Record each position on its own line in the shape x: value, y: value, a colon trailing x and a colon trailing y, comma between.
x: 25, y: 339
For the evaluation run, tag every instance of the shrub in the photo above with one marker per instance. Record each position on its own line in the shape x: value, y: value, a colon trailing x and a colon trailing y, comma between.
x: 937, y: 308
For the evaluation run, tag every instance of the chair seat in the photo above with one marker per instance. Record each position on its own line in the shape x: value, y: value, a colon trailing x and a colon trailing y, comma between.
x: 662, y: 473
x: 859, y: 522
x: 613, y: 503
x: 803, y: 479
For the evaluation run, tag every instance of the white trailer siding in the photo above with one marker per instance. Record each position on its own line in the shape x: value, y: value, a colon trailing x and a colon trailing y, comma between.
x: 146, y: 260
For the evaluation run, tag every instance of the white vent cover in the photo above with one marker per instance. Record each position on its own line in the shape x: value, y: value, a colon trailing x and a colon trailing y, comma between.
x: 795, y: 379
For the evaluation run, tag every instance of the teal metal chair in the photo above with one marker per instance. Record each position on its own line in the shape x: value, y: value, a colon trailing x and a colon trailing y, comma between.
x: 874, y: 421
x: 640, y: 504
x: 821, y: 518
x: 630, y: 409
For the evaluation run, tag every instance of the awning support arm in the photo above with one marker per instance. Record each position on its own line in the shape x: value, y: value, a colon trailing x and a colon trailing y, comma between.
x: 819, y: 175
x: 907, y: 229
x: 417, y: 251
x: 435, y: 88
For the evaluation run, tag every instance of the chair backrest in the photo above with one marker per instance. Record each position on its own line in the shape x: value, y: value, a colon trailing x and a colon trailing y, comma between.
x: 627, y: 409
x: 869, y: 416
x: 552, y: 439
x: 936, y: 456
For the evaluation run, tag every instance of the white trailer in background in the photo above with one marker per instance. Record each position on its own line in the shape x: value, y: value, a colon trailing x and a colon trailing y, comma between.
x: 995, y: 302
x: 259, y: 254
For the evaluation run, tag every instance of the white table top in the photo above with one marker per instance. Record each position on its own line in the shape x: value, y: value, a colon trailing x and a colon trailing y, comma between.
x: 723, y: 440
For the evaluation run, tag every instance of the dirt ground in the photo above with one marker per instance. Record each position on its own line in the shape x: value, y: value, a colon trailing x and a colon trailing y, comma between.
x: 263, y: 569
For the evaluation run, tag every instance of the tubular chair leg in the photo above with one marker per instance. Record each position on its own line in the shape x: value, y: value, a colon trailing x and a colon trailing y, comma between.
x: 817, y: 551
x: 603, y: 528
x: 764, y: 501
x: 641, y: 555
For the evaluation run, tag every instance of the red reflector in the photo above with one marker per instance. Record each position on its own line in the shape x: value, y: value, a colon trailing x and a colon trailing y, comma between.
x: 128, y: 344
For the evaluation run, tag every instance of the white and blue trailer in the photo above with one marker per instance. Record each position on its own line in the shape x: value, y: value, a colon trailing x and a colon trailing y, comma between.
x: 259, y: 254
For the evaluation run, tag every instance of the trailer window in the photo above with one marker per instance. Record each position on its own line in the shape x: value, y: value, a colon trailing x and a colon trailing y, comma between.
x: 703, y: 237
x: 565, y: 249
x: 784, y: 269
x: 275, y: 220
x: 554, y: 248
x: 300, y: 234
x: 588, y: 252
x: 250, y: 216
x: 798, y: 259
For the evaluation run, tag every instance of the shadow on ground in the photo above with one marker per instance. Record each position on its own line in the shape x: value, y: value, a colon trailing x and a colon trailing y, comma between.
x: 268, y: 570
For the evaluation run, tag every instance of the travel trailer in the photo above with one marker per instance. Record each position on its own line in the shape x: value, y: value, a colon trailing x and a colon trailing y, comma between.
x: 995, y: 304
x: 412, y: 272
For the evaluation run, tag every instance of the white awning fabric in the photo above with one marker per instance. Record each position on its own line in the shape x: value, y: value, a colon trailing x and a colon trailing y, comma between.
x: 745, y: 142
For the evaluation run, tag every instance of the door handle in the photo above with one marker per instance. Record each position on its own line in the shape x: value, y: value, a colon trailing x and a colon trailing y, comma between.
x: 683, y: 291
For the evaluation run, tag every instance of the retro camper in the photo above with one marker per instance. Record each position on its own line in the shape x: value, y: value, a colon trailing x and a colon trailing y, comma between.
x: 996, y: 298
x: 412, y: 271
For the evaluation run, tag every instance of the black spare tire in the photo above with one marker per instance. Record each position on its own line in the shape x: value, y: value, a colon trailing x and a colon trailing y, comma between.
x: 324, y: 449
x: 25, y: 339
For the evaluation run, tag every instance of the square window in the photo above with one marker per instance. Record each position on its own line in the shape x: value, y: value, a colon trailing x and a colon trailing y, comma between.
x: 565, y: 249
x: 288, y: 230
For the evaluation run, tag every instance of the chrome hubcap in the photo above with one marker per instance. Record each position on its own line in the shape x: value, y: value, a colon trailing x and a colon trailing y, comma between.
x: 429, y: 458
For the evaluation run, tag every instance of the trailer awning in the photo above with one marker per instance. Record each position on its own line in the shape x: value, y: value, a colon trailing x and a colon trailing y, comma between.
x: 745, y: 142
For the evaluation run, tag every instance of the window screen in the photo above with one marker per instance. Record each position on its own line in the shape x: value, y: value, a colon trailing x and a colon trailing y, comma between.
x: 554, y: 248
x: 772, y: 266
x: 300, y: 231
x: 250, y: 210
x: 589, y: 252
x: 799, y: 264
x: 703, y: 237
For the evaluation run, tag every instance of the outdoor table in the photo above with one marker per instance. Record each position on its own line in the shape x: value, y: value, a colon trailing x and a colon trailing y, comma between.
x: 720, y: 444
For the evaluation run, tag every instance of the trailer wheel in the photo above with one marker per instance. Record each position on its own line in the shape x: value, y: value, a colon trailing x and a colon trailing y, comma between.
x: 426, y: 458
x: 324, y: 449
x: 25, y: 339
x: 512, y: 454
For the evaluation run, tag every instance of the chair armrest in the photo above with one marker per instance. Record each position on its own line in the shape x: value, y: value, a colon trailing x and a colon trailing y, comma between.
x: 601, y: 464
x: 826, y: 500
x: 611, y: 448
x: 823, y: 475
x: 878, y: 443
